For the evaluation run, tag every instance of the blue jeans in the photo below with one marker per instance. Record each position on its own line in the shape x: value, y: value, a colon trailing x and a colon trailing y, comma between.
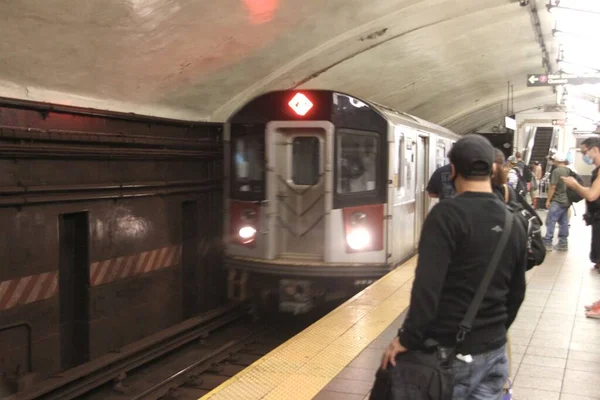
x: 483, y: 378
x: 557, y: 213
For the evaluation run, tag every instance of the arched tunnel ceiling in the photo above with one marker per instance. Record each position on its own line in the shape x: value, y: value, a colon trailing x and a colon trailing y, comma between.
x: 441, y: 60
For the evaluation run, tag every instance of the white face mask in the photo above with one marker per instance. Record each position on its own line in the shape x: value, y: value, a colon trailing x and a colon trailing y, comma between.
x: 587, y: 158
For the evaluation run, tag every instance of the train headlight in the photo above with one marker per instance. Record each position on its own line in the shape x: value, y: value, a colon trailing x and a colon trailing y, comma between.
x: 247, y: 234
x: 363, y: 228
x: 359, y: 238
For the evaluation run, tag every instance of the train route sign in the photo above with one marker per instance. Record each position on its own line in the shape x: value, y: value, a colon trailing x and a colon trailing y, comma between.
x: 562, y: 79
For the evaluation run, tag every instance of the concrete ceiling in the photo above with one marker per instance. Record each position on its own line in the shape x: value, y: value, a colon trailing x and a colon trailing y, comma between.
x: 441, y: 60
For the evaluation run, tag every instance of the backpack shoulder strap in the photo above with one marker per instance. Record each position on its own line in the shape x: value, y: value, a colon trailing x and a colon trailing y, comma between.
x: 506, y: 193
x: 467, y: 322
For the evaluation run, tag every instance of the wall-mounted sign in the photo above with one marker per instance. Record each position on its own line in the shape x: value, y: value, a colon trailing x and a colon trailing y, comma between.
x: 562, y: 79
x: 510, y: 123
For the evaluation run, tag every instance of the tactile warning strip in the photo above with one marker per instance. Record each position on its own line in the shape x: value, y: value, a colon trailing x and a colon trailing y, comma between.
x: 305, y: 364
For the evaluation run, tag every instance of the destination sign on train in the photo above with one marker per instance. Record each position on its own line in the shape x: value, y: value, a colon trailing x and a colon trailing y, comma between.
x: 562, y: 79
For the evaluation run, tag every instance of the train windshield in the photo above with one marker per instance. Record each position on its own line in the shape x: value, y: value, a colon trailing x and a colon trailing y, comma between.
x: 306, y: 160
x: 248, y: 161
x: 357, y: 162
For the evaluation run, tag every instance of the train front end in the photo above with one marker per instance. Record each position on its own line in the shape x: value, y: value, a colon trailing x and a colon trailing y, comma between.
x: 306, y: 198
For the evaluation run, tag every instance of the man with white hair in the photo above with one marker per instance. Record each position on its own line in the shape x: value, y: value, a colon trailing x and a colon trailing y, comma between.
x: 558, y: 204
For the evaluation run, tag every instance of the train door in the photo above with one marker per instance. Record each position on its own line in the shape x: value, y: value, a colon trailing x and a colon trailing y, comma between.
x: 420, y: 184
x: 299, y: 190
x: 439, y: 160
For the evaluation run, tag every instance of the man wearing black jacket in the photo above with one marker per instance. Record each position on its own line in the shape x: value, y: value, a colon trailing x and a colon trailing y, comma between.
x: 456, y: 245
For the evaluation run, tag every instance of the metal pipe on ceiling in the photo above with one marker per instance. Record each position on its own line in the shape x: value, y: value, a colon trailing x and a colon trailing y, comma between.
x: 539, y: 35
x: 50, y: 196
x: 37, y: 150
x: 18, y: 132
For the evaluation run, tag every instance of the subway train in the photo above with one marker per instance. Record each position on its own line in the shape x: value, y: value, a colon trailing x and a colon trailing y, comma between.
x: 324, y: 194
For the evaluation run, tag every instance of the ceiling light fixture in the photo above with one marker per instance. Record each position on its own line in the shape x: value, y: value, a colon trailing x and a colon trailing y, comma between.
x: 555, y: 9
x: 560, y: 34
x: 574, y: 68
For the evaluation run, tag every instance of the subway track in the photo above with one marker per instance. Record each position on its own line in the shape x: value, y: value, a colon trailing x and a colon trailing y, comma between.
x: 182, y: 362
x: 77, y: 382
x: 199, y: 367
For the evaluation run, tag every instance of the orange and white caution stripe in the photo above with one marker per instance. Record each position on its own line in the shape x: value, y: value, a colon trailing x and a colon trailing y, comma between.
x: 28, y: 289
x: 107, y: 271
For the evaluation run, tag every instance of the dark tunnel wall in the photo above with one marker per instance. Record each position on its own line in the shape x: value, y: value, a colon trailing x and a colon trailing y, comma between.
x: 103, y: 220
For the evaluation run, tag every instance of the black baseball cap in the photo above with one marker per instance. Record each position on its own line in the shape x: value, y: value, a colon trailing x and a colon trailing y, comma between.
x: 473, y: 155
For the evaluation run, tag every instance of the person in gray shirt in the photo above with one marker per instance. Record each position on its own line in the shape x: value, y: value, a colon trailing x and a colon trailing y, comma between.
x: 558, y: 205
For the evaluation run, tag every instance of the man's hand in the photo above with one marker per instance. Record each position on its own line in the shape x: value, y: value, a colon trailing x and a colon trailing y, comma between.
x: 569, y: 181
x: 389, y: 356
x: 548, y: 204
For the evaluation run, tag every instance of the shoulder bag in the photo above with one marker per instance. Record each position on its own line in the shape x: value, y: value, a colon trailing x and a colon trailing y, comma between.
x: 426, y: 374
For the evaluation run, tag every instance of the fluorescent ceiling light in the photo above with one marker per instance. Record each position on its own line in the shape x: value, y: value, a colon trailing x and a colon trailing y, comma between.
x: 589, y: 5
x: 561, y: 11
x: 574, y: 68
x: 574, y: 38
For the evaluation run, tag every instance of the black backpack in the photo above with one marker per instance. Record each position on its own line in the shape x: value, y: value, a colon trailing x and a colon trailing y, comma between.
x: 521, y: 188
x: 527, y: 174
x: 572, y: 195
x: 526, y: 215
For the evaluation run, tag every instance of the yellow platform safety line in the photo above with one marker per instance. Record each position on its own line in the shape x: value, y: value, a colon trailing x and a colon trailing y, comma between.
x: 302, y: 366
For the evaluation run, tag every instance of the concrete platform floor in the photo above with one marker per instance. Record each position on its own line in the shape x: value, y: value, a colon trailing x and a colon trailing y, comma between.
x: 555, y: 348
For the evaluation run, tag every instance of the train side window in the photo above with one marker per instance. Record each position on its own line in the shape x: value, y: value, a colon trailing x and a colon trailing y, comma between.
x: 357, y: 163
x: 440, y: 155
x: 409, y: 169
x: 306, y: 160
x: 248, y: 161
x: 400, y: 165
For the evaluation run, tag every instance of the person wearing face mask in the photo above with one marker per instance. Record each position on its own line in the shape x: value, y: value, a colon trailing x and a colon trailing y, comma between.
x: 590, y: 148
x: 458, y: 240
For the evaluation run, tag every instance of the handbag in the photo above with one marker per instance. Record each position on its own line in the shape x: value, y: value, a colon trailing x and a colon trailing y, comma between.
x: 426, y: 373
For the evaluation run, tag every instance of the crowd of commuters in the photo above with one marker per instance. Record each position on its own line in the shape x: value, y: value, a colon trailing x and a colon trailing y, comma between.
x: 526, y: 181
x: 457, y: 241
x: 459, y: 236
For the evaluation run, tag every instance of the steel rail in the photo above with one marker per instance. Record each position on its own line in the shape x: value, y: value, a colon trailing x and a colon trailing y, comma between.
x: 82, y: 379
x: 220, y: 352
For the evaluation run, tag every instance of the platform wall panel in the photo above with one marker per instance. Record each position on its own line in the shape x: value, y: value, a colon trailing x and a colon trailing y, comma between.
x: 132, y: 176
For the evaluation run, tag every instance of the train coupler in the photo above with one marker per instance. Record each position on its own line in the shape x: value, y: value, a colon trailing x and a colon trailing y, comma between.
x: 295, y: 296
x: 237, y: 285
